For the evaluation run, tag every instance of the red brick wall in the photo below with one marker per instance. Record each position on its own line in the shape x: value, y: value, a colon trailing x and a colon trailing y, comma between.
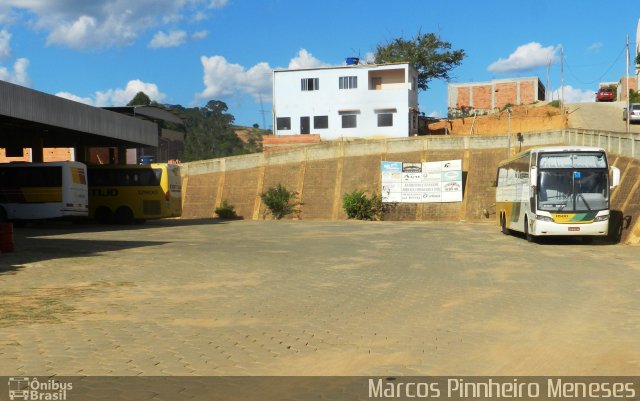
x: 463, y: 97
x: 528, y: 92
x: 502, y: 93
x: 482, y: 97
x: 506, y: 93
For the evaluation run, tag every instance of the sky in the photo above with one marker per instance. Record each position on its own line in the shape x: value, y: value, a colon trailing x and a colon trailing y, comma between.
x: 187, y: 52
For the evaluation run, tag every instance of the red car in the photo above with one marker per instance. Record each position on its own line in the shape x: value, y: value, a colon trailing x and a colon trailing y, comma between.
x: 605, y: 95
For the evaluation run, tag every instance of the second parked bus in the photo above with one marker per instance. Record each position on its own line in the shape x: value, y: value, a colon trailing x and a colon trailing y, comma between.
x: 134, y: 193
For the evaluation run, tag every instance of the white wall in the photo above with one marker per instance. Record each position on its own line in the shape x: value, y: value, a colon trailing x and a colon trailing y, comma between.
x: 395, y: 93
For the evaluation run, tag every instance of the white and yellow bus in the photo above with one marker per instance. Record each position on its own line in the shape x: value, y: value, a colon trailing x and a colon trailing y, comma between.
x: 134, y: 193
x: 555, y: 191
x: 38, y: 191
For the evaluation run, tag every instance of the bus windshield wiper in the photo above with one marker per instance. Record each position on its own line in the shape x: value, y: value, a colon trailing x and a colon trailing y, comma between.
x: 585, y: 201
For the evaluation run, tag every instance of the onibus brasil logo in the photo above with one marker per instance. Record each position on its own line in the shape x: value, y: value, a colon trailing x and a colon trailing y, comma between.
x: 24, y: 388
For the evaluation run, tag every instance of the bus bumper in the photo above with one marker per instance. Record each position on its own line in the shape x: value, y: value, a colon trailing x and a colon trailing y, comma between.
x: 543, y: 228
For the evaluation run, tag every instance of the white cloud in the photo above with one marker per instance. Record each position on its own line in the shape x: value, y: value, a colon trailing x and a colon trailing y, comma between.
x: 573, y: 95
x: 84, y: 24
x: 224, y: 79
x: 5, y: 44
x: 200, y: 16
x: 218, y: 3
x: 304, y: 59
x: 221, y: 78
x: 120, y: 96
x: 525, y: 57
x: 199, y: 35
x: 74, y: 34
x: 171, y: 39
x: 71, y: 96
x: 595, y: 47
x: 19, y: 74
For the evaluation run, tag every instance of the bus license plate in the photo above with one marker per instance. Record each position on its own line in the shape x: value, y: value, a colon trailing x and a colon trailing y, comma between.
x: 574, y: 228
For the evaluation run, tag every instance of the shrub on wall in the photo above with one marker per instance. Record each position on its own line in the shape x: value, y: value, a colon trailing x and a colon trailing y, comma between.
x: 358, y: 206
x: 280, y: 201
x: 226, y: 211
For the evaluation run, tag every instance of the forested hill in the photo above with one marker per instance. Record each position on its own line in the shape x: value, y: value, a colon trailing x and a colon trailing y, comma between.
x: 210, y: 132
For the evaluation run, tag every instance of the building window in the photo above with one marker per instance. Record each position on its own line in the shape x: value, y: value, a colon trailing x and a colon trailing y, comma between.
x: 349, y: 121
x: 283, y: 123
x: 349, y: 118
x: 310, y: 84
x: 348, y: 82
x: 385, y: 120
x: 320, y: 122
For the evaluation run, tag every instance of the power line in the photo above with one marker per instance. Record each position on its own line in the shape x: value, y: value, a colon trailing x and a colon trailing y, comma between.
x: 622, y: 51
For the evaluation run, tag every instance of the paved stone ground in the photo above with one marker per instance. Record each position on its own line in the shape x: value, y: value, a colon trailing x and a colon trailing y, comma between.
x: 314, y: 298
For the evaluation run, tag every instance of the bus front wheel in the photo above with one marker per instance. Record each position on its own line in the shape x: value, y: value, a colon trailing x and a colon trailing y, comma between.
x: 527, y: 234
x: 503, y: 224
x: 124, y: 215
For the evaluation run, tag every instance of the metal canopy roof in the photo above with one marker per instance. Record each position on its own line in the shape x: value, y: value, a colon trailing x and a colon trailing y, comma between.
x: 153, y: 113
x: 29, y: 118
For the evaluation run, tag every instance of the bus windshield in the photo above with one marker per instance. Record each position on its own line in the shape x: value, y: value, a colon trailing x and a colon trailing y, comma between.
x: 568, y: 190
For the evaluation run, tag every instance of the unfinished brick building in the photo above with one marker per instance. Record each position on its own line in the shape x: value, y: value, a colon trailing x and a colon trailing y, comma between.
x: 485, y: 97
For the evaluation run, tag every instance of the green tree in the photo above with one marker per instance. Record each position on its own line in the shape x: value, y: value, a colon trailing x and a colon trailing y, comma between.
x: 431, y: 56
x: 140, y: 99
x: 210, y: 133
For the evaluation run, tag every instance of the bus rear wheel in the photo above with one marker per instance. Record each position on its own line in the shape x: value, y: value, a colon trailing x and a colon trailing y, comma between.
x: 124, y: 215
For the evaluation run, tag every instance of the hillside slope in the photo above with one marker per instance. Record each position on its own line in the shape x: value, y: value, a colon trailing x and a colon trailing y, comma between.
x: 526, y: 118
x: 539, y: 117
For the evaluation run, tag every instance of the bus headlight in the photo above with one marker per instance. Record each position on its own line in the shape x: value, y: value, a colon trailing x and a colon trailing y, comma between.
x: 604, y: 217
x: 544, y: 218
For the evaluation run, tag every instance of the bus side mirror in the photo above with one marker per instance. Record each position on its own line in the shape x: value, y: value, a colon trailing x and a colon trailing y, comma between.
x: 533, y: 176
x: 615, y: 176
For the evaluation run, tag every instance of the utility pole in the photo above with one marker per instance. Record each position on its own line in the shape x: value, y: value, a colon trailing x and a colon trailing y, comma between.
x: 627, y: 86
x: 562, y: 80
x: 547, y: 93
x: 262, y: 111
x: 508, y: 132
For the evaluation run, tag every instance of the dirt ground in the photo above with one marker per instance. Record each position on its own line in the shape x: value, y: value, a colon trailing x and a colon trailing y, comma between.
x: 526, y: 118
